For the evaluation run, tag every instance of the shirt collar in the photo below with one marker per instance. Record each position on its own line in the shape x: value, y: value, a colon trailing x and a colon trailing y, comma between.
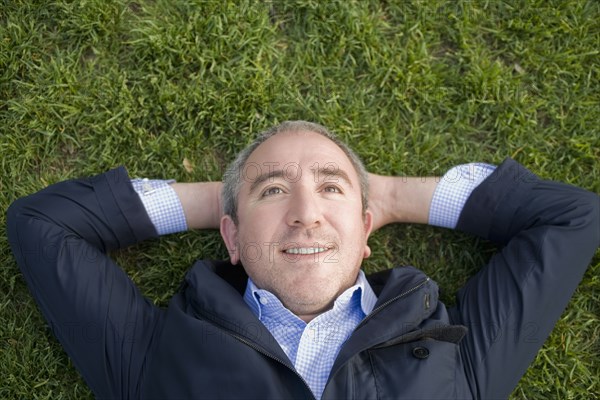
x: 263, y: 302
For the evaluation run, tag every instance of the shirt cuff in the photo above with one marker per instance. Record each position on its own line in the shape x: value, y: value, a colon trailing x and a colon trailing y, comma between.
x: 162, y: 205
x: 453, y: 190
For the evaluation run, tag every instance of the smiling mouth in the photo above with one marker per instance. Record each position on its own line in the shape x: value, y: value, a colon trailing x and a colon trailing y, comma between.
x: 306, y: 250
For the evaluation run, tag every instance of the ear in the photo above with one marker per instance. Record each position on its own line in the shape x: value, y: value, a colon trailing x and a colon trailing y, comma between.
x: 368, y: 225
x: 229, y: 234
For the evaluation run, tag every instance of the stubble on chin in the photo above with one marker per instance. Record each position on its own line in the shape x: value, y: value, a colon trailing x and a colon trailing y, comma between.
x: 310, y: 298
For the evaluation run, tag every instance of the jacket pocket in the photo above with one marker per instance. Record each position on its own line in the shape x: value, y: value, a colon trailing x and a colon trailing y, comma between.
x: 421, y: 369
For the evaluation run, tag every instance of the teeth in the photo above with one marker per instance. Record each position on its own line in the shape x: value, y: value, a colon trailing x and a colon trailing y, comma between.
x: 306, y: 250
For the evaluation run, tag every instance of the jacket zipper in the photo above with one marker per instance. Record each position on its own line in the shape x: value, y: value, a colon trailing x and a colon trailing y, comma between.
x: 258, y: 349
x: 387, y: 303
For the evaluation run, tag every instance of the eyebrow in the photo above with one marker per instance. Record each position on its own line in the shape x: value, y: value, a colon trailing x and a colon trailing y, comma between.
x: 327, y: 172
x: 264, y: 177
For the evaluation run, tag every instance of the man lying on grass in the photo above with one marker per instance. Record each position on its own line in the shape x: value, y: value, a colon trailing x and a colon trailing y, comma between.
x: 291, y: 315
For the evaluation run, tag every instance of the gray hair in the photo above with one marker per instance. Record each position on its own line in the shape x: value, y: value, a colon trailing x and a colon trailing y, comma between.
x: 232, y: 179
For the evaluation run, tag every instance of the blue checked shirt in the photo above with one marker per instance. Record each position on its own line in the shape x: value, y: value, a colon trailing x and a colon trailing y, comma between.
x: 313, y: 347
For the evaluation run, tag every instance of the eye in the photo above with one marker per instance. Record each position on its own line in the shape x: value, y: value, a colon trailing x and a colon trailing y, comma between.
x: 332, y: 189
x: 272, y: 191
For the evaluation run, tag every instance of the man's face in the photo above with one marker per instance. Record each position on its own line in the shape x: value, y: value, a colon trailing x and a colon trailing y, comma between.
x: 301, y: 233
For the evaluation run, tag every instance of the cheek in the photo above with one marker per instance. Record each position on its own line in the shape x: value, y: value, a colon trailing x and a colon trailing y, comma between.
x: 260, y: 226
x: 347, y: 221
x: 256, y: 221
x: 264, y: 214
x: 256, y: 239
x: 355, y: 235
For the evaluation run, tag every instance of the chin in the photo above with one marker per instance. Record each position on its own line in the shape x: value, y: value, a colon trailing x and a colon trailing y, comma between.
x: 314, y: 299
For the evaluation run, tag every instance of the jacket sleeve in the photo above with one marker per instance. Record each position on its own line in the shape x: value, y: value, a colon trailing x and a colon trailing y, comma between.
x: 548, y: 233
x: 59, y: 237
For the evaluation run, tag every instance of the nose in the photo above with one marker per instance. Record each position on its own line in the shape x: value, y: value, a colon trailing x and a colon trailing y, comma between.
x: 304, y: 210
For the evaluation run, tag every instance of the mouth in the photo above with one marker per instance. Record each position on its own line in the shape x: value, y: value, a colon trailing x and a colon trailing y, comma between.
x: 306, y: 250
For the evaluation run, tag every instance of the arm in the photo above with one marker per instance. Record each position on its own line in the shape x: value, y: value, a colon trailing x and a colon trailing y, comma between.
x: 434, y: 200
x: 201, y: 202
x: 548, y: 232
x: 400, y: 199
x: 59, y: 237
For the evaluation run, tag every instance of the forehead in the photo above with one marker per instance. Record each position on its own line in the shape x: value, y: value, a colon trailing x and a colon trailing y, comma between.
x: 304, y: 149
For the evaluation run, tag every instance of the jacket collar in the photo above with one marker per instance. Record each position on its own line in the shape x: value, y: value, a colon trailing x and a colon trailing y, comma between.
x: 213, y: 291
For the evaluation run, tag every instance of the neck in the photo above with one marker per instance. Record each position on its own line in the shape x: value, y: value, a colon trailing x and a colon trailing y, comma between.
x: 308, y: 317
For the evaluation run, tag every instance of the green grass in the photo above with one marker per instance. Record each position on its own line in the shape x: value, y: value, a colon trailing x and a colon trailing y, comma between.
x: 414, y: 86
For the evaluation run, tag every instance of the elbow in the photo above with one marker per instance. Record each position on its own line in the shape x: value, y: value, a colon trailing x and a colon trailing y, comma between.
x: 595, y: 217
x: 27, y: 236
x: 12, y: 215
x: 17, y: 216
x: 13, y: 222
x: 589, y: 220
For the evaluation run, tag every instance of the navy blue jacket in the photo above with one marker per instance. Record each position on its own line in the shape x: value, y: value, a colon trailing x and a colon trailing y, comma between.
x: 208, y: 344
